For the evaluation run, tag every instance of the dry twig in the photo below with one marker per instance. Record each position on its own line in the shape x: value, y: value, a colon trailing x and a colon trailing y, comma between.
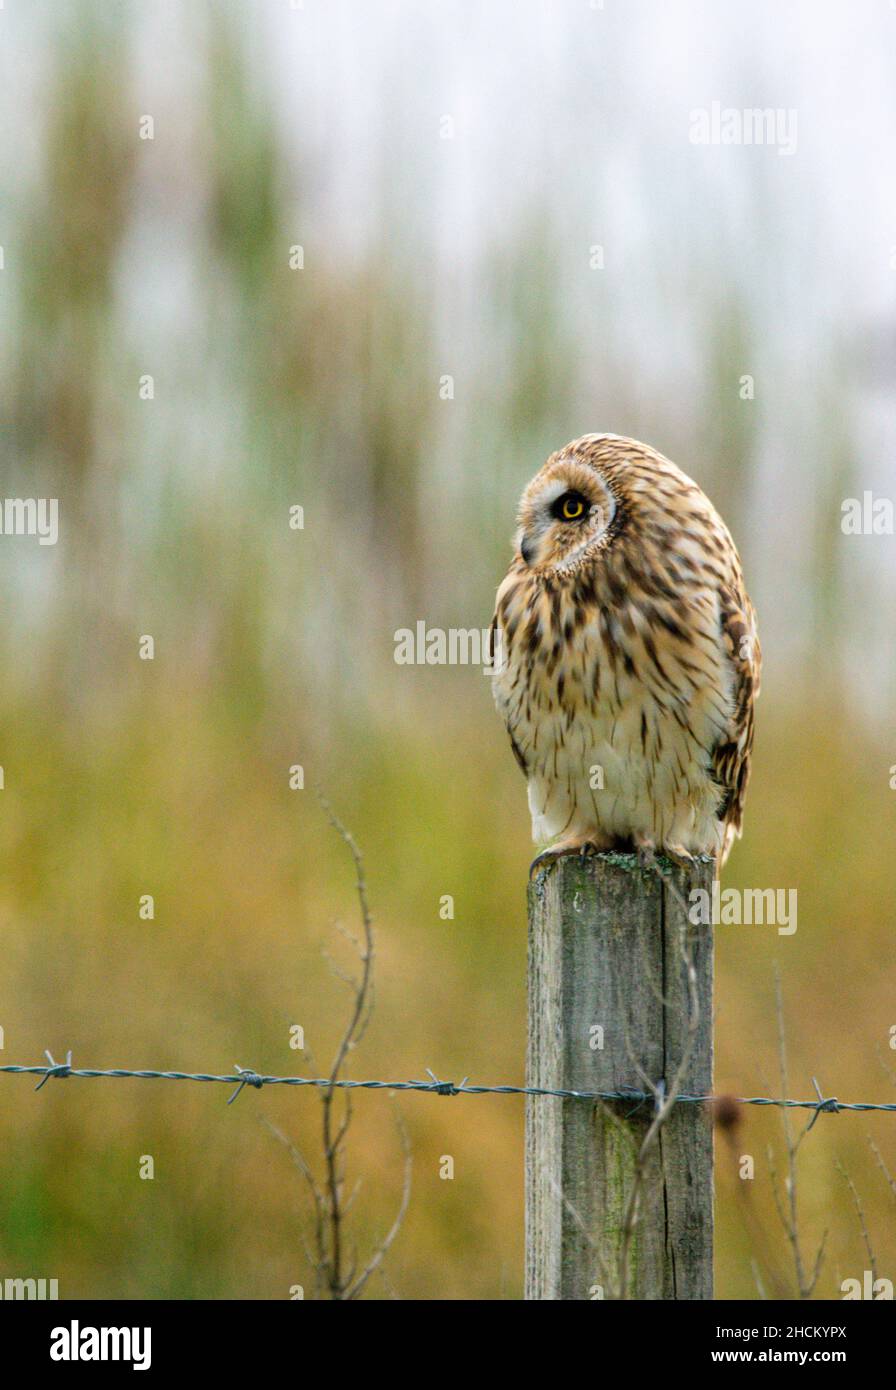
x: 788, y: 1211
x: 337, y: 1275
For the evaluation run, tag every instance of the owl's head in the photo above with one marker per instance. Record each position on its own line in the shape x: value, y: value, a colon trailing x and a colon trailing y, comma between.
x: 565, y: 513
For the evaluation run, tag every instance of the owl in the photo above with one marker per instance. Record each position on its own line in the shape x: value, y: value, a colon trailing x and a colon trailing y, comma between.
x: 626, y: 659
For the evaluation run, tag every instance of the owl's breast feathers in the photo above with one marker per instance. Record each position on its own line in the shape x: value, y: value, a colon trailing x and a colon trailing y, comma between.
x: 627, y: 681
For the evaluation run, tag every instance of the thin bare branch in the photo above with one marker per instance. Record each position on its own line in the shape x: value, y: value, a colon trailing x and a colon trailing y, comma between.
x: 860, y: 1212
x: 336, y: 1272
x: 882, y: 1165
x: 382, y: 1249
x: 788, y: 1211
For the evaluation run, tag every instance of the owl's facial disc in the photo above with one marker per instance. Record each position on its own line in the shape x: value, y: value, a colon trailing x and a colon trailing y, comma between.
x: 563, y: 512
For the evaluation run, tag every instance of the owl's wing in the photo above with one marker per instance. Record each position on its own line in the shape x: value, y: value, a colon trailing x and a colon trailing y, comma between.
x: 731, y: 756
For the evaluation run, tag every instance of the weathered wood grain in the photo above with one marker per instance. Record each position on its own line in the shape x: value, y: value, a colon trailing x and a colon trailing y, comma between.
x: 605, y: 952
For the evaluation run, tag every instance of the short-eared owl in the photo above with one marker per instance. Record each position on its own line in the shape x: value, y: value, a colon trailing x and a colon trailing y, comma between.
x: 627, y: 658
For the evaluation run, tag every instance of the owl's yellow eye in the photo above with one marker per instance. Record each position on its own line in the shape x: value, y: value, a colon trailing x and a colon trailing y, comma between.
x: 572, y: 506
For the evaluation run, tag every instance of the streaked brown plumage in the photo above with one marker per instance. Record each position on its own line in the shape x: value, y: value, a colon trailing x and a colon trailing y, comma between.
x: 629, y: 656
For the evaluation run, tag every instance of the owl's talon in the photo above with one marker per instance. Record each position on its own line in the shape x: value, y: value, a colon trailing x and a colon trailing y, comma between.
x: 682, y: 857
x: 547, y: 856
x: 550, y: 856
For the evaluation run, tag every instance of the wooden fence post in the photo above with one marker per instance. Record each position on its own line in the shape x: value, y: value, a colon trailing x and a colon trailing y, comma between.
x: 609, y: 991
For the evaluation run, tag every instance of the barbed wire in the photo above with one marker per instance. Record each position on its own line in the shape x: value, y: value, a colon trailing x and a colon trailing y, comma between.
x: 245, y: 1076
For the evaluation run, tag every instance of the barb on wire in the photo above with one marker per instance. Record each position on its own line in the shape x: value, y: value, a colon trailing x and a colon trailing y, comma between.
x: 246, y: 1076
x: 446, y: 1088
x: 832, y: 1105
x: 59, y: 1069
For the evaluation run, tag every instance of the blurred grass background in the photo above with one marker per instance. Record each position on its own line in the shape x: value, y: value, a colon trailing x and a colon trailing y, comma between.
x: 320, y: 387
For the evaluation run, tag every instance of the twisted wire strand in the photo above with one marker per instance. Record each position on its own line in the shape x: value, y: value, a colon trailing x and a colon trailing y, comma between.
x: 245, y: 1076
